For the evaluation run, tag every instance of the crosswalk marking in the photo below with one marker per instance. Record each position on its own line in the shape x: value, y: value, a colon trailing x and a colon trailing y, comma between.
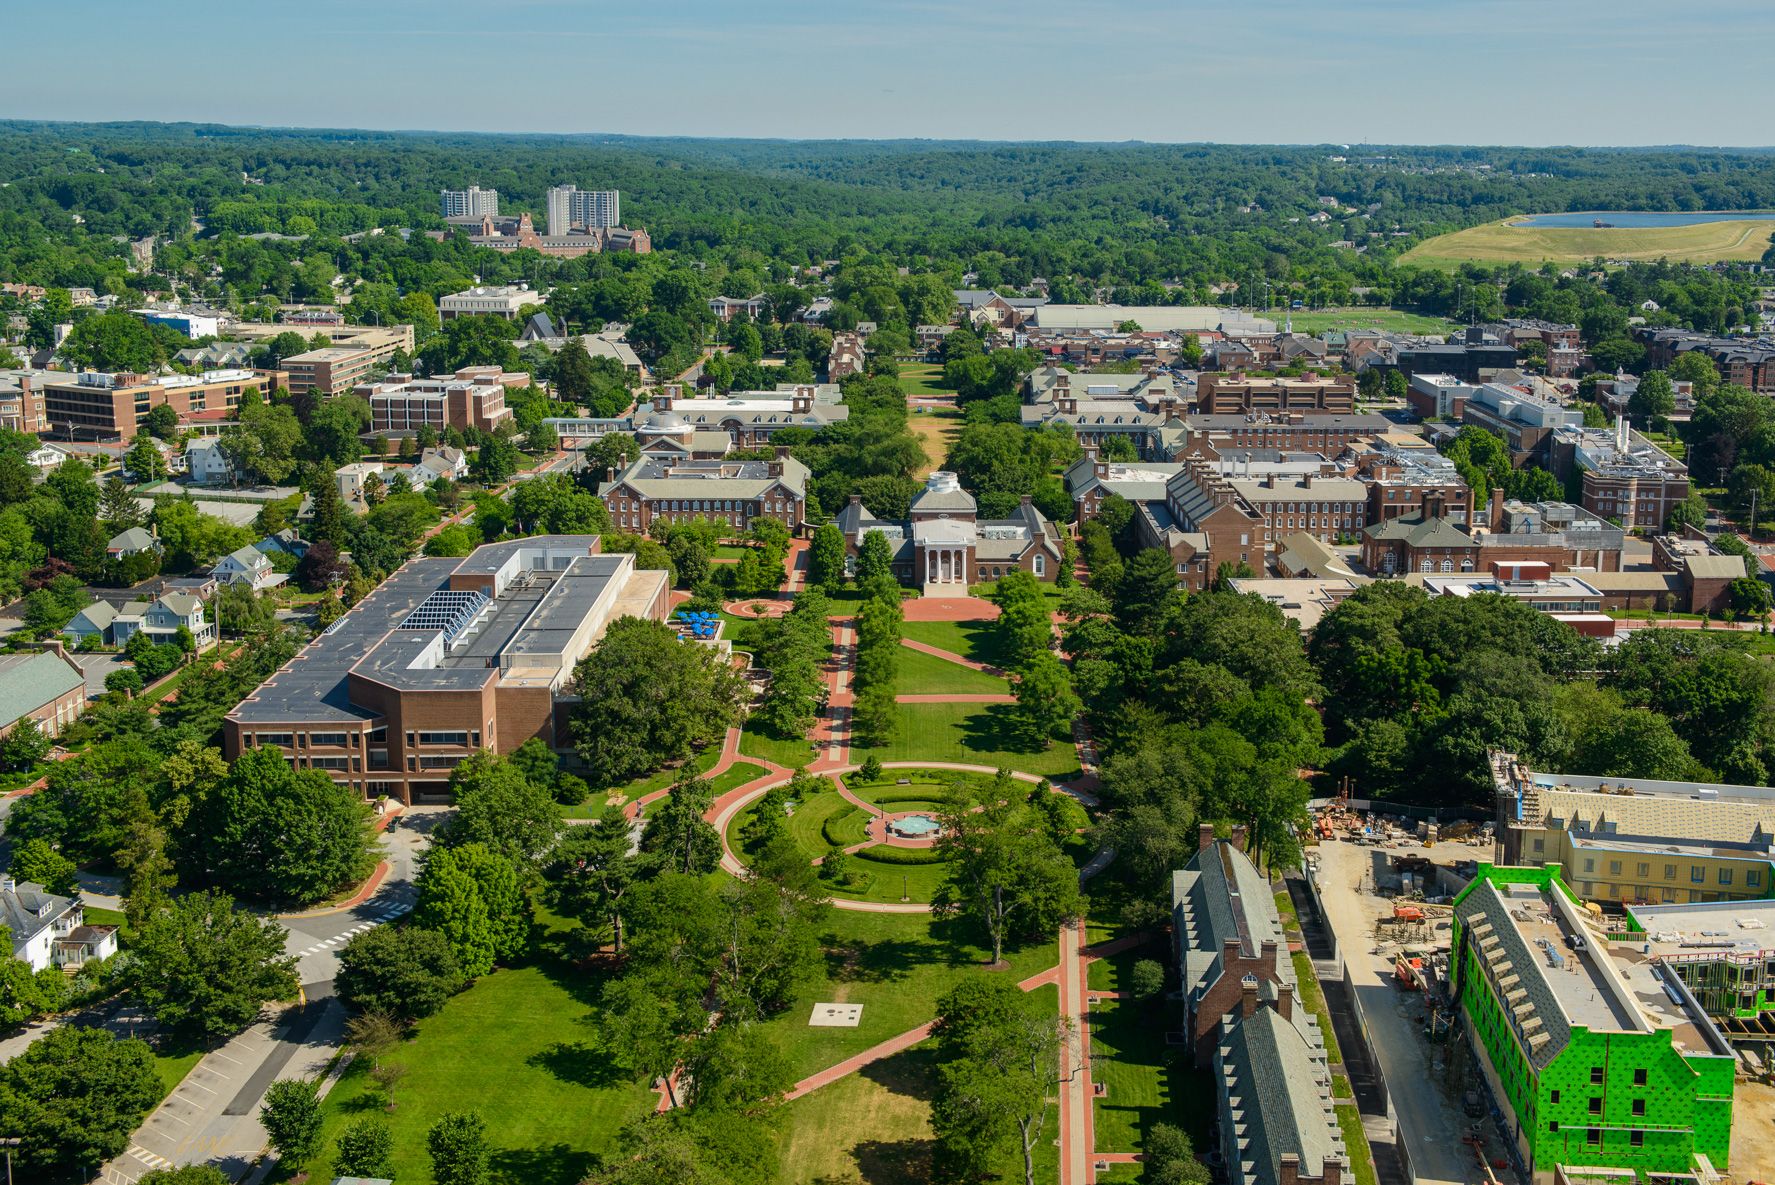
x: 387, y: 915
x: 148, y: 1158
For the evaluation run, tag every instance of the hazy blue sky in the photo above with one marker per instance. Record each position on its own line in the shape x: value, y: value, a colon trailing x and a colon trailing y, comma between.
x: 1429, y: 71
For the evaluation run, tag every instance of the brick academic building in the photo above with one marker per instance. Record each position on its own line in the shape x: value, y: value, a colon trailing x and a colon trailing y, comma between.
x: 445, y: 657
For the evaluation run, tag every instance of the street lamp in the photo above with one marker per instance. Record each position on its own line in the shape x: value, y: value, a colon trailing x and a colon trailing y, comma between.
x: 9, y: 1143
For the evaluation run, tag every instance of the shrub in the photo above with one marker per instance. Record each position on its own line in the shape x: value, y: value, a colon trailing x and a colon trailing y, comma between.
x: 883, y: 854
x: 840, y: 830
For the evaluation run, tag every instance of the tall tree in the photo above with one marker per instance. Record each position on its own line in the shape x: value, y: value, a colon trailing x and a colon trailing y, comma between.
x: 498, y: 806
x: 74, y: 1096
x: 677, y: 834
x: 999, y: 1056
x: 825, y: 558
x: 1002, y: 868
x: 291, y: 1117
x: 205, y: 968
x: 593, y: 871
x: 457, y: 1143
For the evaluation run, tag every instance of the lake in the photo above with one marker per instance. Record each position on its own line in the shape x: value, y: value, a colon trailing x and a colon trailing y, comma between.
x: 1639, y: 218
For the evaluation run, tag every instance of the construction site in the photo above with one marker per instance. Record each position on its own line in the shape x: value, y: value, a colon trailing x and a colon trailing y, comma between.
x: 1383, y: 888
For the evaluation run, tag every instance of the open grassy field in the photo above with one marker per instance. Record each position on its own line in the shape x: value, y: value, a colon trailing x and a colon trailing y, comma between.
x: 876, y: 1123
x: 923, y: 378
x: 895, y: 966
x: 926, y: 674
x: 792, y: 753
x: 978, y: 640
x: 1145, y: 1081
x: 1390, y: 320
x: 1499, y: 242
x: 981, y: 734
x: 516, y: 1048
x: 936, y: 431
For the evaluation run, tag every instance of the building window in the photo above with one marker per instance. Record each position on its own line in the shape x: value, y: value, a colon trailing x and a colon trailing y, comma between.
x: 439, y: 762
x: 1725, y: 876
x: 1540, y: 844
x: 1589, y: 865
x: 328, y: 763
x: 282, y: 740
x: 1593, y: 1137
x: 1596, y: 1075
x: 1636, y: 1138
x: 1614, y: 868
x: 1753, y: 878
x: 335, y: 739
x: 1670, y: 872
x: 1697, y: 875
x: 1639, y: 1107
x: 1645, y: 870
x: 1555, y: 1096
x: 1596, y: 1104
x: 443, y: 738
x: 1553, y: 1125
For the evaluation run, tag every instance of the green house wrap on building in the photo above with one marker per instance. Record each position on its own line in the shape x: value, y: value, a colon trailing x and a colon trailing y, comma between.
x: 1598, y: 1055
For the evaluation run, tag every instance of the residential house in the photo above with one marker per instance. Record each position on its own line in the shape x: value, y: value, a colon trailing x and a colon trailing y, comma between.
x: 351, y: 479
x: 247, y: 566
x: 438, y: 464
x: 286, y: 541
x: 133, y: 541
x: 206, y: 463
x: 49, y: 930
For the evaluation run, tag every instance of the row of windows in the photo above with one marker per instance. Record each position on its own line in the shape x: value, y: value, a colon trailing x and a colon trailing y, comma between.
x: 1753, y: 877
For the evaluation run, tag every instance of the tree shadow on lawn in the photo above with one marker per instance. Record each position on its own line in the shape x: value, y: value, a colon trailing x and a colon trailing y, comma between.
x: 964, y: 942
x: 894, y: 1162
x: 554, y: 1165
x: 579, y: 1063
x: 911, y: 1073
x: 574, y: 961
x: 873, y: 962
x: 996, y: 729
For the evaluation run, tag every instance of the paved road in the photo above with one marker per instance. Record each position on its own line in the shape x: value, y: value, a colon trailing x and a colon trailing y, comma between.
x: 1430, y: 1122
x: 213, y: 1115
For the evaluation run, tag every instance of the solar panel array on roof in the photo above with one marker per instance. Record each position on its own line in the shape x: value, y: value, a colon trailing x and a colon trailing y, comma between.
x: 449, y: 610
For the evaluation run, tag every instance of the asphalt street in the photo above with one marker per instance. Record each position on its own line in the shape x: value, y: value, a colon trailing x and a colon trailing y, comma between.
x: 213, y: 1115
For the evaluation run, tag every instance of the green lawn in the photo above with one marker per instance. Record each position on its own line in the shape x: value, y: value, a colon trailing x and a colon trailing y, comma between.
x: 926, y: 674
x: 1145, y: 1080
x: 1053, y: 596
x: 978, y: 640
x: 659, y: 779
x: 792, y: 753
x: 517, y: 1048
x: 980, y: 734
x: 895, y: 966
x: 1113, y: 974
x: 1349, y: 1121
x: 876, y: 1123
x: 1314, y: 999
x: 173, y: 1064
x: 1317, y: 321
x: 923, y: 378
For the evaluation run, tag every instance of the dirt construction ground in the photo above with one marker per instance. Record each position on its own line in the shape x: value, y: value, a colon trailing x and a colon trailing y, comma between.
x: 1424, y: 1084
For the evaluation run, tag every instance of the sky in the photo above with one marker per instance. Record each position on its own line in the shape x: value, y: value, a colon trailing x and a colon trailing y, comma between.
x: 1531, y: 72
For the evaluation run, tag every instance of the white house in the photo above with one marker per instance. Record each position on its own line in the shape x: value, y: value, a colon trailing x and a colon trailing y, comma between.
x: 351, y: 479
x: 46, y: 457
x: 436, y: 464
x: 131, y: 542
x: 249, y: 565
x: 48, y: 930
x: 206, y: 462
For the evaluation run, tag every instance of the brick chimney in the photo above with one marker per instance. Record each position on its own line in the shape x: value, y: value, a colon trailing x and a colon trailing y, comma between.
x: 1248, y: 995
x: 1268, y: 949
x: 1288, y: 1169
x: 1285, y: 1001
x: 782, y: 452
x: 1065, y: 404
x: 1204, y: 836
x: 803, y: 400
x: 1239, y: 836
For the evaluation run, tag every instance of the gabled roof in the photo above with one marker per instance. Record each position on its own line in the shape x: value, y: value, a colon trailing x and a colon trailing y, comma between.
x: 133, y: 539
x: 248, y: 557
x: 28, y: 909
x: 1277, y: 1087
x: 1417, y: 531
x: 28, y: 681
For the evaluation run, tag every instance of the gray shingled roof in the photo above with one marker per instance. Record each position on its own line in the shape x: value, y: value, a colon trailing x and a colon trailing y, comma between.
x: 27, y: 909
x: 28, y: 681
x: 1275, y: 1094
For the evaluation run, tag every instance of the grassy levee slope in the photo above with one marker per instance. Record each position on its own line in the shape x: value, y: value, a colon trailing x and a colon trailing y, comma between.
x: 1499, y: 242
